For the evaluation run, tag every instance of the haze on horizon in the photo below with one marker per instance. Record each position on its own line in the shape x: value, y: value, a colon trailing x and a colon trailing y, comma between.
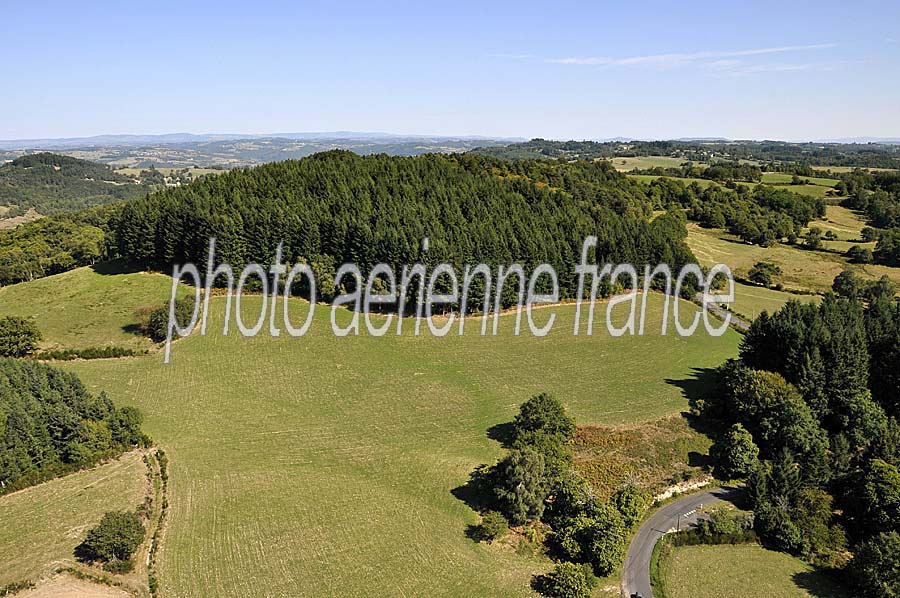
x: 804, y: 71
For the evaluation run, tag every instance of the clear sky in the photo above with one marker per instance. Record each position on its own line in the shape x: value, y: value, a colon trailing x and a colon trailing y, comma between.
x: 777, y: 70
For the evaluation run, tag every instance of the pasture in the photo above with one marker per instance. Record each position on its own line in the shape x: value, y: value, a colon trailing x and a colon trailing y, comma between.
x: 87, y: 307
x: 193, y: 172
x: 624, y: 164
x: 802, y: 269
x: 780, y: 178
x: 330, y: 464
x: 742, y: 571
x: 41, y: 525
x: 750, y: 300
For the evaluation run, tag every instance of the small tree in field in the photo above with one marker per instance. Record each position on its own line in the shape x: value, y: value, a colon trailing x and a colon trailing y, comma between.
x: 18, y: 337
x: 764, y: 273
x: 115, y: 538
x: 493, y: 525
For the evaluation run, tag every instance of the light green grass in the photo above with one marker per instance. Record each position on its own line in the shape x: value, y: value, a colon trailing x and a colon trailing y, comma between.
x: 750, y: 301
x: 801, y: 269
x: 84, y: 308
x: 327, y: 464
x: 843, y: 169
x: 780, y: 178
x: 194, y: 172
x: 40, y: 526
x: 742, y: 571
x: 641, y: 162
x: 843, y: 222
x: 647, y: 178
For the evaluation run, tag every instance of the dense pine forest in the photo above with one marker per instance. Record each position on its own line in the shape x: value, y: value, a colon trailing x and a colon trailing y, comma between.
x: 338, y: 207
x: 50, y: 424
x: 52, y: 184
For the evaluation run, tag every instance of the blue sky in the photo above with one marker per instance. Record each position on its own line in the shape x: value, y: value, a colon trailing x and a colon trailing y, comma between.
x: 784, y: 70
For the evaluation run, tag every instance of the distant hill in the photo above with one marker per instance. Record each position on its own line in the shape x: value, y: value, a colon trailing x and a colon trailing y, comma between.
x: 53, y: 184
x: 710, y: 150
x: 223, y: 151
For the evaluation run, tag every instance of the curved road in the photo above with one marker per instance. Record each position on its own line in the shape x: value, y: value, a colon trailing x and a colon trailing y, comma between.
x: 636, y: 572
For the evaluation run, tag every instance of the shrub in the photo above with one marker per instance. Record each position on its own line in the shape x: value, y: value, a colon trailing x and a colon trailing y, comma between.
x: 860, y: 255
x: 18, y: 337
x: 157, y: 326
x: 119, y: 566
x: 764, y: 273
x: 493, y: 525
x: 566, y: 580
x: 116, y: 537
x: 630, y: 502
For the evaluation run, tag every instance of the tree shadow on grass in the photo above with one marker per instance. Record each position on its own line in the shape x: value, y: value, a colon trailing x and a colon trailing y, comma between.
x: 113, y: 267
x: 502, y: 433
x: 701, y: 385
x: 819, y: 584
x: 476, y: 492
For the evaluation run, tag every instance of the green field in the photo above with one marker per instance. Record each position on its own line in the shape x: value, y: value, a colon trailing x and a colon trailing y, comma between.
x: 780, y: 178
x: 194, y: 172
x: 328, y: 463
x: 40, y: 526
x: 743, y: 571
x: 85, y: 308
x: 842, y: 169
x: 802, y: 269
x: 641, y: 162
x: 750, y: 301
x: 647, y: 178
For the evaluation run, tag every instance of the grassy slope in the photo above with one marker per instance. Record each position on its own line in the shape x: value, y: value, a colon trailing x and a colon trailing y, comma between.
x: 83, y: 308
x: 750, y: 301
x: 802, y: 269
x: 742, y: 571
x: 40, y: 526
x: 328, y: 463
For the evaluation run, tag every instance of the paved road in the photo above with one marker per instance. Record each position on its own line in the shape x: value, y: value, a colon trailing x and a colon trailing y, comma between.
x: 722, y: 313
x: 735, y: 321
x: 636, y: 572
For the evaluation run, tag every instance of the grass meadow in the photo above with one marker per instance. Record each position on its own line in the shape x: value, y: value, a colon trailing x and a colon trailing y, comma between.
x: 41, y: 525
x: 802, y: 269
x: 88, y: 307
x: 742, y: 571
x: 330, y: 464
x: 624, y: 164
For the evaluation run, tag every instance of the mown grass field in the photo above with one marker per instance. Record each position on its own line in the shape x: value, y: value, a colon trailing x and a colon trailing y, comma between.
x: 329, y: 464
x: 742, y: 571
x: 40, y: 526
x: 813, y: 190
x: 640, y: 162
x: 841, y: 169
x: 802, y: 269
x: 194, y: 172
x: 87, y: 308
x: 780, y: 178
x: 750, y: 301
x: 647, y: 178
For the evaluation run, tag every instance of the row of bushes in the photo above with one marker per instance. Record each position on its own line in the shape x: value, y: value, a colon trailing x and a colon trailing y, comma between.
x: 86, y: 353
